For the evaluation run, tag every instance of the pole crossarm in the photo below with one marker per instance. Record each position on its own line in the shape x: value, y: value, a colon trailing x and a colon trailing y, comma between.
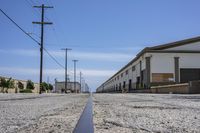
x: 42, y: 23
x: 43, y: 6
x: 66, y: 49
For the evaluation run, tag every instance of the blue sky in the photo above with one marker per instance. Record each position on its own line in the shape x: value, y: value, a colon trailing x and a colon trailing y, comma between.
x: 104, y: 34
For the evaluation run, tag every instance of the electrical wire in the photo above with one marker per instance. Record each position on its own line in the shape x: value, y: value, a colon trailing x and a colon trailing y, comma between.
x: 54, y: 58
x: 31, y: 38
x: 19, y: 27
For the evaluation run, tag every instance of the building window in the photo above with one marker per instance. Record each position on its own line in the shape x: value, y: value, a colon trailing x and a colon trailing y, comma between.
x: 133, y: 68
x: 126, y: 72
x: 117, y: 77
x: 121, y: 74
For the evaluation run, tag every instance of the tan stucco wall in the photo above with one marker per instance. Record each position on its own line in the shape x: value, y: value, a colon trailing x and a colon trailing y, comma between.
x: 24, y: 82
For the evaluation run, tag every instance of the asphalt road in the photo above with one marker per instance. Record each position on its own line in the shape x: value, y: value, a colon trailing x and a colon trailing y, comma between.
x: 40, y: 113
x: 146, y: 113
x: 112, y: 113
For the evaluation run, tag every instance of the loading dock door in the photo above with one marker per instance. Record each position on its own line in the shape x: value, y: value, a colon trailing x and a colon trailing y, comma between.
x: 187, y: 75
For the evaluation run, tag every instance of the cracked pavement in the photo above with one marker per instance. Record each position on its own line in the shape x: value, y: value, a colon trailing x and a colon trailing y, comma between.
x: 112, y: 113
x: 144, y: 113
x: 46, y: 113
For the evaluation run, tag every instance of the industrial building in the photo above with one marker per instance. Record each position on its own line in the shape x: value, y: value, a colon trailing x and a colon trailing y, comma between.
x: 60, y: 87
x: 172, y: 63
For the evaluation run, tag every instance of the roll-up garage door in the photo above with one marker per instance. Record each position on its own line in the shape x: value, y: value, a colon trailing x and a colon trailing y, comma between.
x: 188, y: 74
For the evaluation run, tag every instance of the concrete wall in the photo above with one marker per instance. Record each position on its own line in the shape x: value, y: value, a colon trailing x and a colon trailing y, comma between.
x: 176, y: 89
x: 164, y: 62
x: 189, y: 60
x: 193, y: 87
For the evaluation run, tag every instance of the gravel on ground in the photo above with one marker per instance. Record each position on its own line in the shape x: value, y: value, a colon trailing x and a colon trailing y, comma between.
x: 144, y: 113
x: 46, y: 113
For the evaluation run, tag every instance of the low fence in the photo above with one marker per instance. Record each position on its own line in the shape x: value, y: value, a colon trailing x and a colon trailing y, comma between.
x: 193, y: 87
x: 176, y: 88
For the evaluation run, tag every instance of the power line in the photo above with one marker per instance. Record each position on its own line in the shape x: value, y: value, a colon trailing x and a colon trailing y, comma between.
x: 31, y: 4
x: 54, y: 15
x: 19, y: 27
x: 31, y: 37
x: 54, y: 58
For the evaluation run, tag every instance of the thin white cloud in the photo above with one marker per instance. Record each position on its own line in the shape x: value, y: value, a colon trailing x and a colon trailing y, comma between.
x: 113, y: 57
x: 20, y: 71
x: 20, y: 52
x: 55, y: 72
x: 97, y: 56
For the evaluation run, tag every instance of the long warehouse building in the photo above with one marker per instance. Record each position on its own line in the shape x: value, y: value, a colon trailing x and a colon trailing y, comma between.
x: 172, y: 63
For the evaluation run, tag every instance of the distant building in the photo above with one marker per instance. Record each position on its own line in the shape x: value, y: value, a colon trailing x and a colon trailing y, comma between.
x: 172, y: 63
x: 24, y: 82
x: 60, y: 87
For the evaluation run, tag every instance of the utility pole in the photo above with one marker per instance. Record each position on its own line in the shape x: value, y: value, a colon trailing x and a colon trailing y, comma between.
x: 42, y: 23
x: 66, y: 77
x: 47, y: 79
x: 75, y: 74
x: 83, y: 86
x: 80, y: 82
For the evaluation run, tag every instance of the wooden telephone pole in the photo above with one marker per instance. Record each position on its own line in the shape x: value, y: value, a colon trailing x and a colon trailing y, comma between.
x: 42, y: 23
x: 66, y: 77
x: 75, y: 61
x: 80, y: 82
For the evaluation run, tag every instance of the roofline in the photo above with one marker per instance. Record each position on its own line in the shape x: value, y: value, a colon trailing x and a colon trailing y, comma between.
x: 157, y: 49
x: 173, y: 51
x: 176, y: 43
